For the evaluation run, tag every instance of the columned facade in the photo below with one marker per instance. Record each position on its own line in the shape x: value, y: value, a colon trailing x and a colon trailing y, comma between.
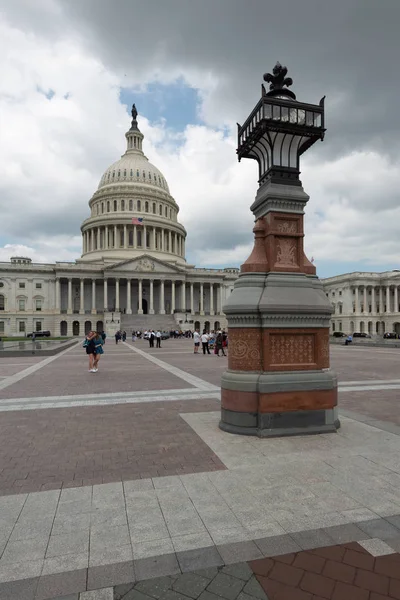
x: 364, y: 302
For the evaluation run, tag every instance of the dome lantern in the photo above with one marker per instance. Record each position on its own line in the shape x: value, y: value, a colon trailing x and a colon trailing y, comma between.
x: 134, y: 136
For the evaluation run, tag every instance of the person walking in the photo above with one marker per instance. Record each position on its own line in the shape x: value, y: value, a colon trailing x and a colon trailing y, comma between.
x: 204, y: 342
x: 103, y: 337
x: 89, y: 345
x: 219, y: 345
x: 196, y: 340
x: 117, y: 337
x: 151, y: 338
x: 98, y: 347
x: 158, y: 339
x: 124, y: 336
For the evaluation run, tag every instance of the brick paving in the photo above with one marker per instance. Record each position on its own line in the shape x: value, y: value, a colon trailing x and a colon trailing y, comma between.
x: 196, y: 513
x: 72, y: 447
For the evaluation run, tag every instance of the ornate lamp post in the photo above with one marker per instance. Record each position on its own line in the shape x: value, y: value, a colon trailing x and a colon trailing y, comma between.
x: 278, y: 380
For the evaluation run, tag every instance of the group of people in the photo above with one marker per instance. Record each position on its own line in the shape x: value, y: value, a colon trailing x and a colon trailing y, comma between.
x: 218, y: 340
x: 120, y: 335
x: 93, y: 343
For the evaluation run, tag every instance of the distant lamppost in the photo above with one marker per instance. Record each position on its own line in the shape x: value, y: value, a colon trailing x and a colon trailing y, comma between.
x: 278, y: 380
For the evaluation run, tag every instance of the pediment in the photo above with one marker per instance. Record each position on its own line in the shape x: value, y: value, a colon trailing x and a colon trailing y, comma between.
x: 144, y: 264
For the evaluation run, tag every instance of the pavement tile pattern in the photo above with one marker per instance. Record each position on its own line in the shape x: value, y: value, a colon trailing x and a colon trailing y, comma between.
x: 149, y: 499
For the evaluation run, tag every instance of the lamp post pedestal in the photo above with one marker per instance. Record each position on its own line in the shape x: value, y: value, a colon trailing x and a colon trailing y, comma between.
x: 278, y: 380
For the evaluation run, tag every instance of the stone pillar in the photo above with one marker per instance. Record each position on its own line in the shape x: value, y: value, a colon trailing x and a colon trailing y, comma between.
x: 140, y: 296
x: 388, y: 299
x: 125, y: 237
x: 356, y: 302
x: 191, y: 298
x: 219, y: 299
x: 98, y: 238
x: 201, y: 299
x: 106, y: 237
x: 105, y: 296
x: 116, y: 237
x: 69, y: 309
x: 58, y: 294
x: 380, y: 299
x: 162, y: 303
x: 373, y: 299
x: 396, y: 300
x: 211, y: 299
x: 365, y: 300
x: 183, y: 296
x: 128, y: 297
x: 117, y: 307
x: 278, y: 380
x: 153, y: 239
x: 162, y: 240
x: 172, y: 297
x: 94, y: 311
x: 144, y: 240
x: 169, y: 241
x: 82, y: 297
x: 134, y: 237
x: 151, y: 310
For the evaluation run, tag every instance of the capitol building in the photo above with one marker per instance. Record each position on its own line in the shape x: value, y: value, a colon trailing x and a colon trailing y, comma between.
x: 132, y: 274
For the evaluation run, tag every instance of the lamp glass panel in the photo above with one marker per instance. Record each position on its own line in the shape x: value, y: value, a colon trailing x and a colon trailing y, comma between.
x: 309, y: 118
x: 267, y: 111
x: 276, y: 113
x: 302, y: 117
x: 293, y: 115
x: 285, y: 114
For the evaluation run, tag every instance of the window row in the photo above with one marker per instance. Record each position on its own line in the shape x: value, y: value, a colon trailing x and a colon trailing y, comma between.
x: 139, y: 174
x: 96, y: 239
x: 22, y: 285
x: 21, y: 303
x: 121, y: 205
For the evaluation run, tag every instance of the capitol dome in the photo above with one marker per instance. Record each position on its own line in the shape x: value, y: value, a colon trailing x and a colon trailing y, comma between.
x: 133, y: 189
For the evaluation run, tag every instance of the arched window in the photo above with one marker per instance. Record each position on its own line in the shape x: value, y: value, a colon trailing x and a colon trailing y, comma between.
x: 146, y: 207
x: 124, y: 172
x: 115, y: 205
x: 130, y: 238
x: 131, y: 172
x: 97, y: 209
x: 122, y: 204
x: 139, y: 238
x: 147, y: 239
x: 166, y: 211
x: 108, y: 177
x: 113, y: 174
x: 102, y: 207
x: 2, y: 302
x: 137, y: 173
x: 108, y: 206
x: 130, y: 204
x: 170, y: 213
x: 149, y: 175
x: 160, y: 210
x: 119, y: 173
x: 139, y: 205
x: 154, y: 207
x: 144, y: 174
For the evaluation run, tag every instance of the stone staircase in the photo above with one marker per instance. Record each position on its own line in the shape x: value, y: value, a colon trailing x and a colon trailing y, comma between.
x: 145, y: 322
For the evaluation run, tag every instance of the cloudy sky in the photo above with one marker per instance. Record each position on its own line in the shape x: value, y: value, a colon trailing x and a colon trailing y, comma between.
x: 70, y: 70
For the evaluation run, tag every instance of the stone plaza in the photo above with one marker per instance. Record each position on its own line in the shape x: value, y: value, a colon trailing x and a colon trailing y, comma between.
x: 120, y: 484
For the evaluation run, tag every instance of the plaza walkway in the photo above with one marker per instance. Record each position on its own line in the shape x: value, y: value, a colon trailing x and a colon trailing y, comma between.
x: 120, y: 485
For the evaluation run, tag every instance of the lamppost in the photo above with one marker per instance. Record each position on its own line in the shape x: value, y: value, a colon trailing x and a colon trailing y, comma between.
x: 278, y: 380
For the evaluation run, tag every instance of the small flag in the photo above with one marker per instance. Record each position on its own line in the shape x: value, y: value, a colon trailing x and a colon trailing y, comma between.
x: 137, y: 221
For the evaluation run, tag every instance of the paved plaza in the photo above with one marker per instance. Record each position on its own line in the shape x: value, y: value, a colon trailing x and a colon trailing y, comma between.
x: 120, y: 485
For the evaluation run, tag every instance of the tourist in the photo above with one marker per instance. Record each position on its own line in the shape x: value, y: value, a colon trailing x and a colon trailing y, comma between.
x: 204, y: 342
x: 88, y: 344
x: 196, y: 339
x: 124, y: 336
x: 349, y: 340
x: 158, y: 339
x: 103, y: 336
x: 117, y: 337
x: 151, y: 338
x: 98, y: 347
x: 219, y: 344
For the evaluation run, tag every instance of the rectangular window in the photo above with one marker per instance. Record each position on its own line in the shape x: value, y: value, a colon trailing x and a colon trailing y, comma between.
x: 340, y: 293
x: 1, y: 326
x: 38, y: 304
x: 38, y: 286
x: 21, y: 327
x: 21, y: 286
x: 340, y: 325
x: 139, y: 238
x: 21, y: 304
x: 38, y: 325
x: 340, y: 309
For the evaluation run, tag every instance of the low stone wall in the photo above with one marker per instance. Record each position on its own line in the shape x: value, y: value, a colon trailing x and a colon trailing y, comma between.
x: 35, y: 349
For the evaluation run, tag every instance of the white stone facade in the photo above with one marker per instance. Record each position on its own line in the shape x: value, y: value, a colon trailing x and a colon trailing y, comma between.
x: 364, y: 302
x: 126, y: 270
